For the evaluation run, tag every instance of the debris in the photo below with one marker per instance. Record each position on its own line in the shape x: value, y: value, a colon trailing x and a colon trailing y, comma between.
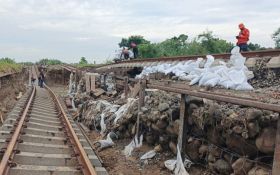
x: 148, y: 155
x: 19, y: 96
x: 135, y: 143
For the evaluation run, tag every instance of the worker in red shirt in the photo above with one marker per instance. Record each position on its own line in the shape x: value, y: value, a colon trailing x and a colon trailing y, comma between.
x: 243, y: 38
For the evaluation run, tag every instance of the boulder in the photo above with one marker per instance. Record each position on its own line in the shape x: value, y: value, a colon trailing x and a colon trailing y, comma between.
x: 163, y: 107
x: 222, y: 167
x: 266, y: 141
x: 241, y: 166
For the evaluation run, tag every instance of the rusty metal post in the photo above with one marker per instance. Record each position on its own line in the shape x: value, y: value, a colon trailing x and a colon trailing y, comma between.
x: 126, y: 87
x: 276, y: 160
x: 182, y: 135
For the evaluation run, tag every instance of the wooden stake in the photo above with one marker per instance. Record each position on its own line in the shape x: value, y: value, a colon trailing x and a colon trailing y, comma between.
x: 126, y: 87
x: 140, y: 103
x: 183, y: 125
x: 276, y: 160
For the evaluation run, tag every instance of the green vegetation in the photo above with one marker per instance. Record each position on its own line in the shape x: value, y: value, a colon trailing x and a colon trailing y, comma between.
x: 47, y: 61
x: 204, y: 43
x: 276, y: 38
x: 9, y: 65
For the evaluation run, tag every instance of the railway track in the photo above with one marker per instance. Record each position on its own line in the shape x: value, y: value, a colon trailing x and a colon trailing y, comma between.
x: 39, y: 138
x: 176, y: 59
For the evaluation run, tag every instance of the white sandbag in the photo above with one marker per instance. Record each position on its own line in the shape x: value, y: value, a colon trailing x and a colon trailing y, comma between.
x: 135, y: 143
x: 106, y: 143
x: 177, y: 166
x: 148, y: 155
x: 232, y: 75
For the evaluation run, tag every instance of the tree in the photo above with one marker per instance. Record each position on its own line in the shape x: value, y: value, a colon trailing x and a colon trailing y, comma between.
x: 137, y: 39
x: 47, y: 61
x: 83, y: 61
x: 254, y: 47
x: 213, y: 44
x: 276, y: 38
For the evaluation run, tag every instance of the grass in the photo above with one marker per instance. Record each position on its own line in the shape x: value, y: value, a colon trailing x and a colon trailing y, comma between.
x: 9, y: 66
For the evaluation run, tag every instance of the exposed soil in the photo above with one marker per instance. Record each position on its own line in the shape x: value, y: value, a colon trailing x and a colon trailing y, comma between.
x: 10, y: 89
x: 116, y: 162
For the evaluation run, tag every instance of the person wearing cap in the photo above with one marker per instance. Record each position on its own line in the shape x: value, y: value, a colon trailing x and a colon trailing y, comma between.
x: 243, y: 38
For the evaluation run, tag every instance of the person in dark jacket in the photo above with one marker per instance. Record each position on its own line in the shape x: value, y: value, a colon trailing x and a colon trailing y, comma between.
x: 134, y: 49
x: 243, y: 38
x: 42, y: 79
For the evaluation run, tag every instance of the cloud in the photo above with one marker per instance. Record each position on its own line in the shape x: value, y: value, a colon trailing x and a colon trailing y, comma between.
x: 69, y: 29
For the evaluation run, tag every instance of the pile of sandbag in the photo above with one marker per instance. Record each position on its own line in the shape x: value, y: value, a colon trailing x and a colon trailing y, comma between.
x: 231, y: 75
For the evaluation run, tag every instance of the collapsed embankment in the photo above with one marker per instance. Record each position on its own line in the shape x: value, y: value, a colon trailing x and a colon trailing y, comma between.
x: 11, y: 89
x: 222, y: 138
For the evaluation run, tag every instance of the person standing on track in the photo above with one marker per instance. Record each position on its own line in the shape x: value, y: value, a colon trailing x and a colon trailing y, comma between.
x: 42, y: 79
x: 243, y: 38
x: 134, y: 47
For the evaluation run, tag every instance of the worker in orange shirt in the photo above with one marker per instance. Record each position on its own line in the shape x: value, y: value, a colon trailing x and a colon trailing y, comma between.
x: 243, y: 38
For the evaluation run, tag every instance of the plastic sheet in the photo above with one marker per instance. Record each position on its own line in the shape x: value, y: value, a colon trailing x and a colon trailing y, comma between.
x: 177, y: 166
x: 135, y: 143
x: 106, y: 143
x: 123, y: 109
x: 148, y: 155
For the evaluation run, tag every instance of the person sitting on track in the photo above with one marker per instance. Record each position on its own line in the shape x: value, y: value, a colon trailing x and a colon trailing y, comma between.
x: 125, y: 53
x: 243, y: 38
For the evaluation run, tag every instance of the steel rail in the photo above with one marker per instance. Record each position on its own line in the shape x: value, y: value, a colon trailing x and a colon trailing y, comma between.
x: 4, y: 165
x: 82, y: 157
x: 262, y: 53
x: 69, y: 68
x: 228, y: 99
x: 180, y: 86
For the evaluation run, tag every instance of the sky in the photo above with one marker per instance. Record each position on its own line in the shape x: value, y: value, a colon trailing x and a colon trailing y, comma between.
x: 69, y: 29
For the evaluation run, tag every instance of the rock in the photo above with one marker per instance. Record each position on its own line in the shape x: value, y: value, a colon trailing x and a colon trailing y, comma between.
x: 144, y: 109
x: 222, y: 167
x: 162, y: 124
x: 259, y: 170
x: 253, y: 129
x: 212, y: 134
x: 158, y: 148
x: 192, y: 150
x: 237, y: 129
x: 163, y: 107
x: 266, y: 141
x: 173, y: 147
x: 240, y: 145
x: 253, y: 114
x: 150, y: 138
x: 196, y: 100
x: 214, y: 111
x: 241, y: 166
x: 203, y: 150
